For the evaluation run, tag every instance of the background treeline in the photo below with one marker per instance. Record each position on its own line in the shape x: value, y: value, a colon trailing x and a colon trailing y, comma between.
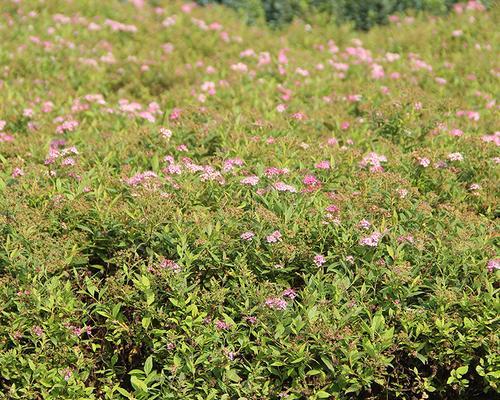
x: 362, y: 13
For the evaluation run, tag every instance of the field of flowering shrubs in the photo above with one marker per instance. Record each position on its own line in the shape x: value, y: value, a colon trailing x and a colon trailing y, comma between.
x: 193, y: 208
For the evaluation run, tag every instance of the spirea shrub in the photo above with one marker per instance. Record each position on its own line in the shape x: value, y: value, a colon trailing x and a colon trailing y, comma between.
x: 195, y: 208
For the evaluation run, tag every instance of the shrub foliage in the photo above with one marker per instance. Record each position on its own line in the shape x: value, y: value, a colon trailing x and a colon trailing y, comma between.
x: 195, y: 208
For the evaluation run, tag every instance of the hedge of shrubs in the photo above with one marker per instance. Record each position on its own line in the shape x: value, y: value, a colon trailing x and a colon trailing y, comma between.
x: 362, y: 13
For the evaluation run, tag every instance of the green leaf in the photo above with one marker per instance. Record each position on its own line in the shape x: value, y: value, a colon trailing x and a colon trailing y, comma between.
x: 421, y: 358
x: 462, y: 370
x: 328, y: 362
x: 145, y: 281
x: 232, y: 375
x: 321, y: 394
x: 146, y: 321
x: 313, y: 372
x: 138, y: 384
x: 148, y: 365
x: 123, y: 392
x: 312, y: 314
x: 377, y: 322
x: 280, y: 330
x: 150, y: 297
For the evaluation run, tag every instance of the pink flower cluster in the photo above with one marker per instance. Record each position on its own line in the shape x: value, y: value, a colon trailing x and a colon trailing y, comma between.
x: 68, y: 125
x: 140, y: 178
x: 3, y: 136
x: 373, y: 160
x: 274, y: 237
x: 247, y: 235
x: 372, y: 240
x: 276, y: 303
x: 250, y: 180
x: 170, y: 264
x: 283, y: 187
x: 319, y: 260
x: 493, y: 264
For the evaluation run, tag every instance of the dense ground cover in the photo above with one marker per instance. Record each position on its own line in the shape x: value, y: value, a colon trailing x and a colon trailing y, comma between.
x: 191, y: 208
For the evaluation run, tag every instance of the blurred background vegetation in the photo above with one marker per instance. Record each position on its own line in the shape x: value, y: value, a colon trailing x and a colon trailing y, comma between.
x: 362, y: 13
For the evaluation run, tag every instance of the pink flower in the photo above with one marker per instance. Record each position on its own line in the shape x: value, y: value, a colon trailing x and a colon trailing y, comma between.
x: 364, y: 224
x: 37, y: 330
x: 423, y: 162
x: 332, y: 141
x: 67, y: 126
x: 239, y: 67
x: 210, y: 174
x: 302, y: 72
x: 231, y: 163
x: 250, y: 180
x: 332, y: 208
x: 170, y: 264
x: 276, y: 303
x: 319, y: 260
x: 322, y: 165
x: 354, y: 98
x: 372, y: 240
x: 67, y: 374
x: 473, y: 115
x: 406, y: 238
x: 221, y: 325
x: 17, y: 172
x: 69, y: 161
x: 169, y: 21
x: 377, y: 71
x: 170, y: 346
x: 140, y: 178
x: 28, y: 112
x: 264, y: 58
x: 175, y: 114
x: 272, y: 171
x: 282, y: 58
x: 281, y: 108
x: 173, y: 169
x: 494, y: 138
x: 311, y: 180
x: 374, y: 160
x: 345, y: 125
x: 188, y: 7
x: 290, y: 293
x: 283, y: 187
x: 166, y: 133
x: 247, y: 235
x: 455, y: 157
x: 493, y: 264
x: 247, y: 53
x: 274, y: 237
x: 47, y: 107
x: 299, y: 116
